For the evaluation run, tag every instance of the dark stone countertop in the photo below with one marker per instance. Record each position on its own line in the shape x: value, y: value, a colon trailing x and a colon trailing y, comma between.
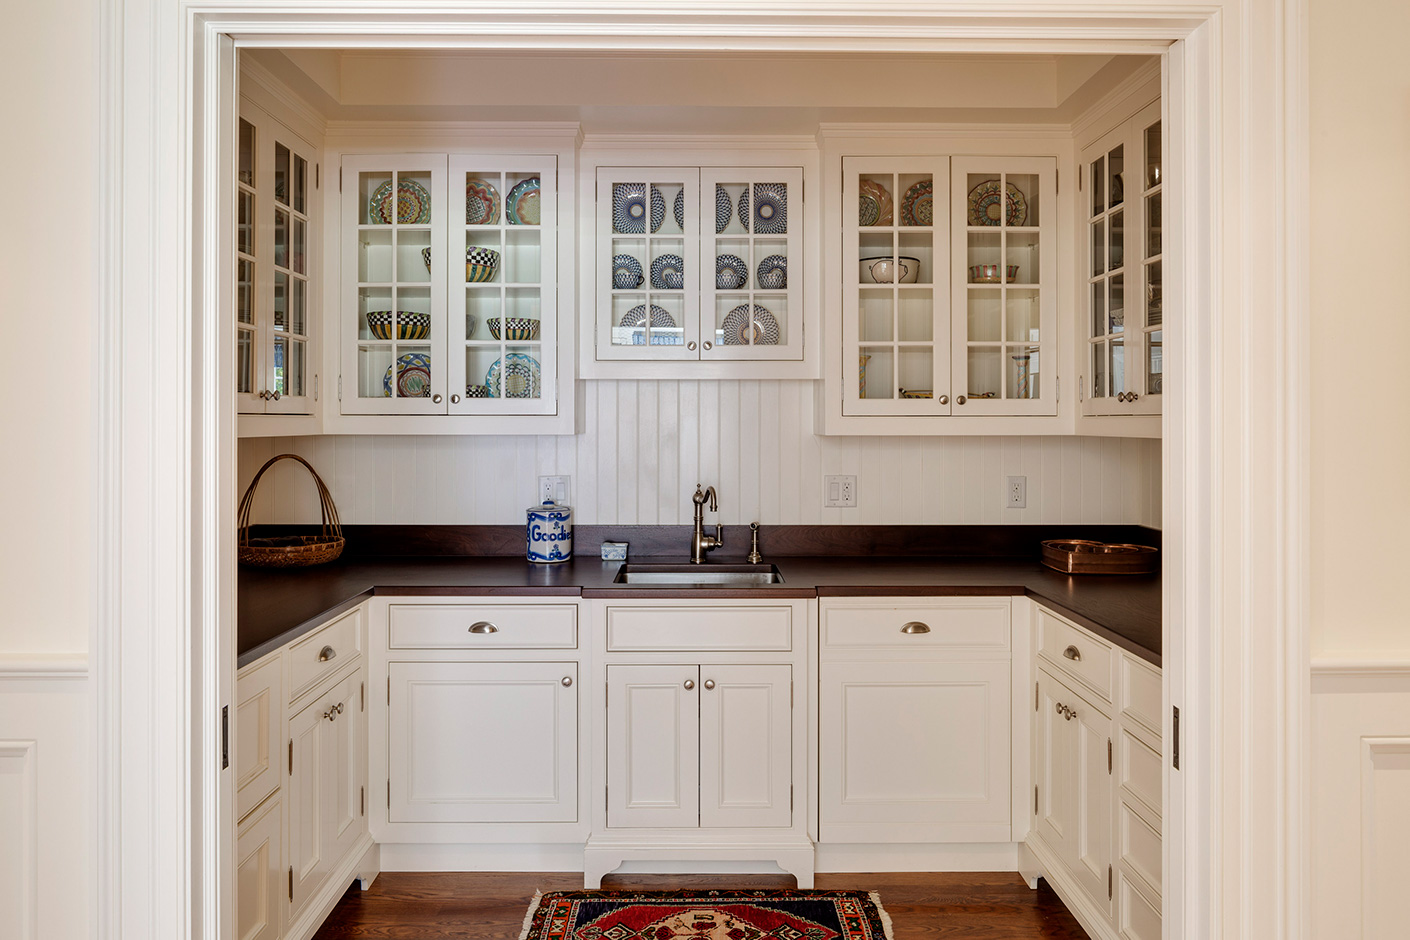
x: 277, y: 605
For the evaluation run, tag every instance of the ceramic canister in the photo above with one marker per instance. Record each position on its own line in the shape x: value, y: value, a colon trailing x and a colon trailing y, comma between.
x: 550, y: 533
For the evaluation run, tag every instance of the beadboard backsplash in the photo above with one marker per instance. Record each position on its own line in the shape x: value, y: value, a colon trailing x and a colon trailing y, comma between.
x: 645, y: 445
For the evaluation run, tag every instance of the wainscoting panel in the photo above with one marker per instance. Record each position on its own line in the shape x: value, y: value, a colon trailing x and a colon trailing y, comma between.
x: 644, y: 446
x: 46, y: 795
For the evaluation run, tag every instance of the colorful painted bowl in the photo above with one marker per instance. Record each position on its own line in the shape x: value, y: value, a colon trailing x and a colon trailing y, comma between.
x: 916, y: 393
x: 989, y: 273
x: 481, y: 264
x: 890, y: 270
x: 426, y: 257
x: 477, y: 391
x: 409, y: 325
x: 515, y: 329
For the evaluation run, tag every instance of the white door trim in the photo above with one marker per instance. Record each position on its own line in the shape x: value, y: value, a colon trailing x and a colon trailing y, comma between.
x: 1235, y: 463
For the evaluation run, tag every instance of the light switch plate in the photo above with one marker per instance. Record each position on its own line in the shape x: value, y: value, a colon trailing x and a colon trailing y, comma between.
x: 841, y: 491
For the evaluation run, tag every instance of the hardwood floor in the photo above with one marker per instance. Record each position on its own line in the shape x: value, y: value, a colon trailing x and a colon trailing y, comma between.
x: 492, y: 905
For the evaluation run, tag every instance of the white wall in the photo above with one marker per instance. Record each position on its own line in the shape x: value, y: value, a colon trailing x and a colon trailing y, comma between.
x: 646, y: 444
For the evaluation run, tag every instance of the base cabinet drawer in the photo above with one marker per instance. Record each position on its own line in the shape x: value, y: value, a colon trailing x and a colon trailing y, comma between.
x: 324, y: 652
x: 484, y: 626
x: 1140, y: 917
x: 717, y: 627
x: 976, y: 624
x: 1076, y: 653
x: 483, y: 742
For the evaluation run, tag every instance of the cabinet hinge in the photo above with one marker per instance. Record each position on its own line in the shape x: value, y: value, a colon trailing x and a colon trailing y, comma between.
x: 362, y: 799
x: 317, y: 175
x: 1081, y: 388
x: 1079, y: 177
x: 1175, y: 737
x: 1057, y: 181
x: 790, y: 798
x: 315, y: 386
x: 362, y: 696
x: 291, y: 757
x: 1035, y: 696
x: 224, y: 737
x: 1108, y: 882
x: 1035, y: 801
x: 389, y: 690
x: 340, y: 179
x: 1057, y: 384
x: 291, y: 882
x: 389, y: 793
x: 340, y: 387
x: 1108, y: 756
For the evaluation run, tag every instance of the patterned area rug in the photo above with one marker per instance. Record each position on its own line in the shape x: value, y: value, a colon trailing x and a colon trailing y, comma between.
x: 706, y: 915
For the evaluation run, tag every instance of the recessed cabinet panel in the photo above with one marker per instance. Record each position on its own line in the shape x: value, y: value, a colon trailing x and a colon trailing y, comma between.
x: 653, y: 746
x: 260, y: 895
x: 746, y: 746
x: 718, y: 627
x: 258, y: 720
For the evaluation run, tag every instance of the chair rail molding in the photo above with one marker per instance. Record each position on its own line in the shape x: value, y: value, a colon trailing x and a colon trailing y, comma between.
x: 1235, y: 495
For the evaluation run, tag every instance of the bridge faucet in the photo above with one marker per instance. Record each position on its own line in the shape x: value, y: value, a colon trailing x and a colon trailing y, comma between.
x: 700, y: 543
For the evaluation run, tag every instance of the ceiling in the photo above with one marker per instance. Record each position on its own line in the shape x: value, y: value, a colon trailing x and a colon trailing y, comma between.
x: 694, y: 93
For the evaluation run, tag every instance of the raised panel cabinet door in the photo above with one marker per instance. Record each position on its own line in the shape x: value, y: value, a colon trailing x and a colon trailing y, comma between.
x: 1055, y: 771
x: 259, y: 713
x: 914, y: 752
x: 1096, y: 807
x: 653, y: 746
x: 310, y: 855
x: 259, y: 876
x: 746, y: 746
x: 342, y: 807
x: 483, y: 742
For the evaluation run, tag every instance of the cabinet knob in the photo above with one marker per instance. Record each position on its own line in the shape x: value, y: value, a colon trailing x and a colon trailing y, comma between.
x: 943, y: 399
x: 436, y: 399
x: 1132, y: 396
x: 915, y: 626
x: 276, y: 394
x: 1057, y: 707
x: 707, y: 345
x: 567, y: 681
x: 960, y: 399
x: 689, y: 684
x: 709, y: 683
x: 1069, y: 713
x: 1073, y: 653
x: 690, y: 345
x: 264, y: 394
x: 455, y: 399
x: 483, y: 626
x: 326, y: 654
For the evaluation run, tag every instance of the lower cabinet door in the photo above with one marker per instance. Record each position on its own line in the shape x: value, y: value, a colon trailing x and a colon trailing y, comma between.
x: 259, y: 718
x: 653, y: 746
x: 483, y: 742
x: 746, y: 746
x: 260, y: 888
x: 914, y: 752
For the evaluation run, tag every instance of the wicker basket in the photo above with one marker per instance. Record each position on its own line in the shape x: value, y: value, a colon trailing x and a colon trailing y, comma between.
x: 290, y: 551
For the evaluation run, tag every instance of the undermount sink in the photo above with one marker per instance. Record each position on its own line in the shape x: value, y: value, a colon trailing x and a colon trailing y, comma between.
x: 699, y: 575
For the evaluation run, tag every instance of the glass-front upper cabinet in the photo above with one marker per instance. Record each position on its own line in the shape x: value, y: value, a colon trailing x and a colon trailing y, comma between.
x: 1123, y: 306
x: 275, y: 366
x: 699, y: 264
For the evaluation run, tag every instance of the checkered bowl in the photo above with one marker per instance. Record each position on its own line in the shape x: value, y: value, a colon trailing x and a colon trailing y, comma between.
x: 515, y: 329
x: 481, y: 264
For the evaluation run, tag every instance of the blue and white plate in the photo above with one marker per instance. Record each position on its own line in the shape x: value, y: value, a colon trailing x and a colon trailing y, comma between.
x: 772, y: 273
x: 629, y: 208
x: 770, y: 209
x: 626, y: 272
x: 743, y: 208
x: 635, y: 320
x: 724, y: 208
x: 731, y: 272
x: 679, y: 208
x: 668, y: 272
x: 413, y: 376
x: 658, y: 209
x: 736, y: 328
x: 519, y: 375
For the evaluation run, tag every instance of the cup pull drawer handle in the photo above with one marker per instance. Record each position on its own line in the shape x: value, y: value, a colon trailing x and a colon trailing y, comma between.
x: 326, y: 654
x: 484, y: 626
x: 915, y: 626
x: 1073, y: 654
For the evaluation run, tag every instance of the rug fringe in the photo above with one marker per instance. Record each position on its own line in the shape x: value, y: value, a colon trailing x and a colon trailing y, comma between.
x: 885, y: 917
x: 534, y: 906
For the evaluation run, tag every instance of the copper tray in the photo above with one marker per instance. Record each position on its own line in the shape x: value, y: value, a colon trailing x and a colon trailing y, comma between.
x: 1079, y: 556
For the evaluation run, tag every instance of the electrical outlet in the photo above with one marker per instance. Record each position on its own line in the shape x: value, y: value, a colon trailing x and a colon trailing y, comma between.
x: 840, y: 491
x: 553, y: 488
x: 1017, y: 493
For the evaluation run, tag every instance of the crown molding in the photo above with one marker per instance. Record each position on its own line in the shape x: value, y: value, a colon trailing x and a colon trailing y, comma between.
x: 1082, y: 128
x: 297, y: 107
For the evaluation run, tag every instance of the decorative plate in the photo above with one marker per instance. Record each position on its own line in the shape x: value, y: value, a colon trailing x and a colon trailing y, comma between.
x: 772, y: 273
x: 918, y: 204
x: 770, y: 209
x: 730, y: 272
x: 724, y: 208
x: 873, y: 203
x: 678, y: 209
x: 629, y: 208
x: 522, y: 206
x: 413, y: 376
x: 412, y: 204
x: 626, y: 272
x: 985, y: 208
x: 658, y: 209
x: 520, y: 375
x: 743, y: 208
x: 481, y: 202
x: 668, y: 272
x: 635, y: 319
x: 736, y: 327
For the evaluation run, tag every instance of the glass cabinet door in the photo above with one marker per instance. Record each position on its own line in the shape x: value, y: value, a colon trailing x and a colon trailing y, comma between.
x: 503, y: 306
x: 1106, y: 274
x: 895, y: 313
x: 394, y: 335
x: 1151, y: 254
x: 249, y: 376
x: 1004, y: 280
x: 289, y: 263
x: 751, y: 307
x: 648, y: 281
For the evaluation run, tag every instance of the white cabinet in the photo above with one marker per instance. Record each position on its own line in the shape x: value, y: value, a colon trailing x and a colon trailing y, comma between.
x: 707, y: 746
x: 483, y: 742
x: 275, y: 302
x: 259, y: 731
x: 259, y: 875
x: 914, y: 709
x: 1097, y: 771
x: 326, y: 785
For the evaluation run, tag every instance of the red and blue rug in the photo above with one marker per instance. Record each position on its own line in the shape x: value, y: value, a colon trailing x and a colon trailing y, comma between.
x: 707, y: 915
